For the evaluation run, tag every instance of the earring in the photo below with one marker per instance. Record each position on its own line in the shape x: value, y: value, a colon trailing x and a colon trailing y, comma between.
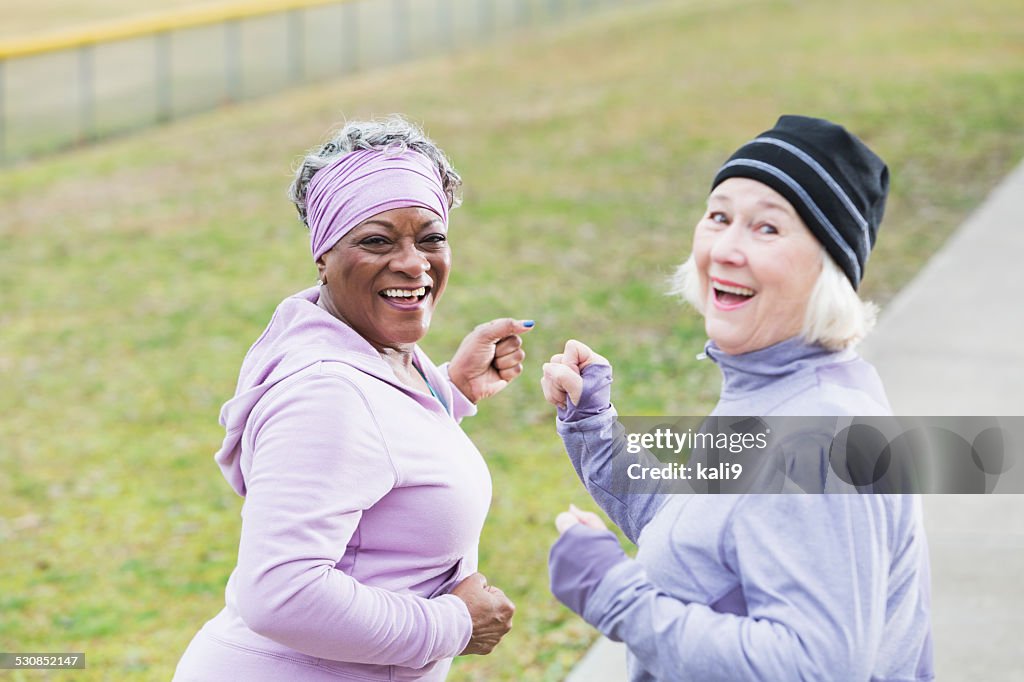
x: 320, y: 282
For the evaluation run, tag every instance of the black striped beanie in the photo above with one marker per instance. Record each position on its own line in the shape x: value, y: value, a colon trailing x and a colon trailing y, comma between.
x: 836, y: 184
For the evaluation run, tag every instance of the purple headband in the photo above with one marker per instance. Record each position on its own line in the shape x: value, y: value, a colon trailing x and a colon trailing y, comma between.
x: 363, y: 183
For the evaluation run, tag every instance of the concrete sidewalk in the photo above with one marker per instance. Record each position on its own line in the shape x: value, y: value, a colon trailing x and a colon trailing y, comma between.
x: 950, y: 344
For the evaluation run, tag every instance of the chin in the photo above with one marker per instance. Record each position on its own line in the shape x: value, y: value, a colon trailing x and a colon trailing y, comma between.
x: 407, y: 335
x: 726, y: 342
x: 718, y: 332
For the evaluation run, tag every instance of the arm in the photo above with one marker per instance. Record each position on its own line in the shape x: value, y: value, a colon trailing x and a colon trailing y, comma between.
x: 318, y: 461
x: 813, y: 571
x: 489, y: 358
x: 595, y: 443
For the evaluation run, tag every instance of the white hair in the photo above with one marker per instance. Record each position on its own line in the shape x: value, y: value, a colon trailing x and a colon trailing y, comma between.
x: 836, y: 317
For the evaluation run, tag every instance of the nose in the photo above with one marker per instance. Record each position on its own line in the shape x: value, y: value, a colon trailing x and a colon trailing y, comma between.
x: 728, y: 247
x: 409, y: 260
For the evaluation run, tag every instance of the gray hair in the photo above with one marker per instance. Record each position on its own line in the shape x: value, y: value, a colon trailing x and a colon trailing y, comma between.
x: 393, y: 133
x: 836, y: 317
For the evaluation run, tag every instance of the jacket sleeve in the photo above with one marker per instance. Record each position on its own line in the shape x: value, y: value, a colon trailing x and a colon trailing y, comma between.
x: 461, y: 405
x: 814, y: 580
x: 596, y: 448
x: 596, y: 445
x: 318, y: 461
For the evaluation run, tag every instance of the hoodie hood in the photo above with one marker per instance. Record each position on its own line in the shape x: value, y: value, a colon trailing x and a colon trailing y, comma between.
x: 302, y: 334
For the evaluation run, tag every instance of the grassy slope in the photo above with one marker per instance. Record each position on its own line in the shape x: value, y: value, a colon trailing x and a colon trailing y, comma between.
x: 134, y: 275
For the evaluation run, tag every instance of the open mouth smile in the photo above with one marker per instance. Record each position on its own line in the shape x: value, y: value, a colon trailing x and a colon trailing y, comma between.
x: 405, y: 298
x: 729, y: 295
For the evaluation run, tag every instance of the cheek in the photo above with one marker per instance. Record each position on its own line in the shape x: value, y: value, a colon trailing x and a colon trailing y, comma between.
x: 702, y: 255
x: 798, y: 274
x: 441, y: 265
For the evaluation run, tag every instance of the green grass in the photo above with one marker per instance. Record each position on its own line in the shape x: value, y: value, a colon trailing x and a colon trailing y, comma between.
x: 134, y: 275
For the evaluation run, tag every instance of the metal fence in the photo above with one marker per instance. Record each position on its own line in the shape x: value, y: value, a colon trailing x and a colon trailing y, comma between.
x: 78, y: 87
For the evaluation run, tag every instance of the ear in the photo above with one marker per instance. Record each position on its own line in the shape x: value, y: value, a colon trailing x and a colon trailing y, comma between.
x: 321, y: 269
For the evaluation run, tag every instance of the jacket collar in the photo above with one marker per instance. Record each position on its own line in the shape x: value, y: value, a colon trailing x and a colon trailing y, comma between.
x: 757, y: 369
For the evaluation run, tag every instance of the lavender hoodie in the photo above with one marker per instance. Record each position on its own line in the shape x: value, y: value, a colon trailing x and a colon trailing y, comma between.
x: 753, y: 587
x: 364, y: 502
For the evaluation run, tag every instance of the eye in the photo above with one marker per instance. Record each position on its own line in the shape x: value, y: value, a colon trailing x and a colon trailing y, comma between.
x: 435, y: 240
x: 373, y: 240
x: 767, y: 229
x: 718, y: 217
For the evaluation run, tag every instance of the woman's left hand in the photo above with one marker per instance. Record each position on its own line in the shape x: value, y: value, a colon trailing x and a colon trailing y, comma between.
x: 583, y: 554
x: 489, y: 358
x: 568, y: 519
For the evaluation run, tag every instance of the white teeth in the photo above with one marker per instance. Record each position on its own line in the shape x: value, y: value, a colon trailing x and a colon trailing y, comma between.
x: 741, y: 291
x: 405, y: 293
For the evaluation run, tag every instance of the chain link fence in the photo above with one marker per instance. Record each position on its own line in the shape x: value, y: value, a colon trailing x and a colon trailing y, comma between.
x: 82, y: 86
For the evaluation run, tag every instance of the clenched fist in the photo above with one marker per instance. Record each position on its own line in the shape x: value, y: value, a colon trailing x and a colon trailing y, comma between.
x: 562, y: 375
x: 490, y: 610
x: 489, y: 358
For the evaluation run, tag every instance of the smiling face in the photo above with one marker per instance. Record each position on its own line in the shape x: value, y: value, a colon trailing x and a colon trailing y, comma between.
x: 385, y: 276
x: 757, y: 264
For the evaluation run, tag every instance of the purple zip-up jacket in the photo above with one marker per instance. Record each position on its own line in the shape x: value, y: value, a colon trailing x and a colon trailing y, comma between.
x: 752, y: 587
x: 364, y: 502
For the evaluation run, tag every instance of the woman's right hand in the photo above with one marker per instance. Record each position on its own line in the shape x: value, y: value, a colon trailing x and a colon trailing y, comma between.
x: 563, y: 374
x: 490, y: 610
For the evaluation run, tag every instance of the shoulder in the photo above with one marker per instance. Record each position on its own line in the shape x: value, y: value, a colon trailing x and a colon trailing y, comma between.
x: 325, y: 397
x: 845, y: 385
x: 319, y: 380
x: 322, y: 417
x: 885, y: 516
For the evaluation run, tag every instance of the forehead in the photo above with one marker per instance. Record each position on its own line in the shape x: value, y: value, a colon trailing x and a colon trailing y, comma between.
x: 748, y: 193
x: 405, y: 218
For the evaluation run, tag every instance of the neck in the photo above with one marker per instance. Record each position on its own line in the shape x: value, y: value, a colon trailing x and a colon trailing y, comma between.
x: 401, y: 362
x: 399, y: 357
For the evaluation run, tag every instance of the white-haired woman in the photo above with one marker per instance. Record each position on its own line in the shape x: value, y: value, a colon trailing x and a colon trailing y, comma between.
x: 757, y: 587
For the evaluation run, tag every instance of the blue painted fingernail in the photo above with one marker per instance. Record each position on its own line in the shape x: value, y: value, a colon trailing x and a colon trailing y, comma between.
x: 528, y: 323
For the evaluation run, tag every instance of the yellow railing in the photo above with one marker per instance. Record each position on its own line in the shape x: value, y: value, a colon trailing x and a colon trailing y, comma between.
x: 148, y: 24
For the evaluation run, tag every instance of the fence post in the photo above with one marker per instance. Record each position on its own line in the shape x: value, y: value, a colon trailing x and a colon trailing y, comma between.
x: 86, y: 94
x: 164, y: 94
x: 445, y: 29
x: 523, y: 12
x: 486, y: 18
x: 350, y: 40
x: 232, y: 61
x: 296, y: 66
x: 400, y: 20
